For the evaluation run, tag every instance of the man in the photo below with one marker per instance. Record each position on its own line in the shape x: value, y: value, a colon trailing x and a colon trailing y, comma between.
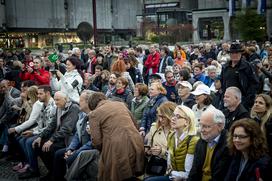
x: 185, y: 97
x: 110, y: 88
x: 45, y: 116
x: 239, y: 73
x: 81, y: 140
x: 62, y: 127
x: 96, y: 84
x: 234, y: 109
x: 90, y: 65
x: 108, y: 57
x: 166, y: 60
x: 36, y: 73
x: 170, y: 86
x: 211, y: 158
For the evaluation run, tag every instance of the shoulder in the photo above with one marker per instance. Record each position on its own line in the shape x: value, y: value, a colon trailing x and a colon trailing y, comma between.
x: 192, y: 144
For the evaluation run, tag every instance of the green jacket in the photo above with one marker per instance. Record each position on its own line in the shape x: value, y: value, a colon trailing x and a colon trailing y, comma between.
x: 137, y: 109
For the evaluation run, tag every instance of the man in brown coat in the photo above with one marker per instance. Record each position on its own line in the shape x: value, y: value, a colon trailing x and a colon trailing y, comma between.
x: 115, y: 135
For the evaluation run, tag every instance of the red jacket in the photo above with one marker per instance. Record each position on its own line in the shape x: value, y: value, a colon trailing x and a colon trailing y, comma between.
x: 152, y: 61
x: 41, y: 77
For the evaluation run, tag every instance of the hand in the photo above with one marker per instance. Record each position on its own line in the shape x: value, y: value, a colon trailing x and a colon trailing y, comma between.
x: 156, y: 150
x: 11, y: 130
x: 68, y: 153
x: 27, y: 133
x: 29, y: 69
x: 46, y: 146
x: 173, y: 96
x: 142, y: 133
x: 37, y: 142
x: 59, y: 74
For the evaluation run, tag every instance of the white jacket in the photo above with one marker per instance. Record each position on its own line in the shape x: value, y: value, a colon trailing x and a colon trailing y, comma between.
x: 70, y: 83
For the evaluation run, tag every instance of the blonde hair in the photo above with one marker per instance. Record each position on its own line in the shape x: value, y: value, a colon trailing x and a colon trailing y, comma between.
x: 190, y: 116
x: 166, y: 109
x: 159, y: 87
x: 32, y: 93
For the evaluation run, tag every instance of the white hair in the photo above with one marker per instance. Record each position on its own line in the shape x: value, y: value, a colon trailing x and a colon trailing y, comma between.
x: 211, y: 68
x: 236, y: 91
x: 63, y: 95
x: 218, y: 117
x: 76, y: 49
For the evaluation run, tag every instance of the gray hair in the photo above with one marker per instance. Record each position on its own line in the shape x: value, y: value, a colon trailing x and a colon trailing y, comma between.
x: 63, y: 95
x: 218, y: 117
x: 87, y: 94
x: 211, y: 68
x: 236, y: 91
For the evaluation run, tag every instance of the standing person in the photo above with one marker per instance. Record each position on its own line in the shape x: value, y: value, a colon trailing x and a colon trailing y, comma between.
x: 224, y: 56
x: 262, y: 113
x: 166, y: 60
x: 108, y: 57
x: 170, y: 86
x: 71, y: 82
x: 152, y: 62
x: 239, y: 73
x: 211, y: 158
x: 157, y: 96
x: 248, y: 147
x: 109, y: 131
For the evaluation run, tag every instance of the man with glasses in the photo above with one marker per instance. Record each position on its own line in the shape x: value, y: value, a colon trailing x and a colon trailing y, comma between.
x: 211, y: 158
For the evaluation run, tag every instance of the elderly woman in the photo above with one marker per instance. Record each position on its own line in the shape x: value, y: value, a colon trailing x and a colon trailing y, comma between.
x: 157, y: 96
x: 247, y: 144
x: 115, y: 135
x: 71, y: 82
x: 181, y: 145
x: 262, y: 113
x: 139, y: 101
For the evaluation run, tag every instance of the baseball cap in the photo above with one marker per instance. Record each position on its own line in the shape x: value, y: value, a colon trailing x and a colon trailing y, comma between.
x: 185, y: 84
x: 201, y: 89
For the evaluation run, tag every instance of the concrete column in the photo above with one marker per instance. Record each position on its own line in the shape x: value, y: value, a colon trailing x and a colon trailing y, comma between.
x: 196, y: 28
x: 226, y: 20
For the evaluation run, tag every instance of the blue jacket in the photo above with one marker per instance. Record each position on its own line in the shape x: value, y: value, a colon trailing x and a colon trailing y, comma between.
x: 150, y: 112
x: 200, y: 77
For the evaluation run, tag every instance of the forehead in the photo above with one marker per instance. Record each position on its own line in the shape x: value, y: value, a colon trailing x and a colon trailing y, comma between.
x: 239, y: 129
x: 261, y: 99
x: 206, y: 118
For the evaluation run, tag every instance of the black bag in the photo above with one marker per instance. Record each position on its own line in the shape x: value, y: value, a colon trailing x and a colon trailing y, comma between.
x: 155, y: 165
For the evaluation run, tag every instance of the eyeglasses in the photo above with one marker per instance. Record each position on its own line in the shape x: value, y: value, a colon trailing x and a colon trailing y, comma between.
x: 202, y: 126
x: 240, y: 137
x: 177, y: 116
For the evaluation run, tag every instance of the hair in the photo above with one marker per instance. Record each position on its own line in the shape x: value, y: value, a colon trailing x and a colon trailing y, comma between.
x: 32, y: 93
x: 236, y: 91
x: 167, y: 72
x: 258, y: 146
x: 107, y: 75
x: 99, y: 67
x: 76, y: 62
x: 166, y: 109
x: 132, y: 60
x: 268, y: 113
x: 123, y: 80
x: 118, y: 66
x: 218, y: 116
x: 208, y: 100
x: 199, y: 65
x: 160, y: 87
x: 166, y: 50
x: 94, y: 100
x: 28, y: 83
x: 142, y: 88
x: 63, y: 95
x: 46, y: 88
x: 211, y: 68
x: 139, y: 49
x: 190, y: 116
x: 87, y: 94
x: 184, y: 74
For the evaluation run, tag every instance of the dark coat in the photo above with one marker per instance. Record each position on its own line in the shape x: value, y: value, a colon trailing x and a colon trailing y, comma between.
x: 219, y: 163
x: 189, y: 102
x: 126, y: 96
x: 239, y: 113
x: 248, y: 80
x: 264, y: 164
x: 150, y: 113
x: 268, y: 130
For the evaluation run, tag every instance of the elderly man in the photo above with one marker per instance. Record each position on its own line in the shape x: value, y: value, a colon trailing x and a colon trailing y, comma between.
x: 211, y: 158
x: 62, y: 127
x: 234, y: 109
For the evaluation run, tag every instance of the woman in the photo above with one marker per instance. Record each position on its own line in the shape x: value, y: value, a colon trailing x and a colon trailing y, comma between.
x: 248, y: 147
x: 181, y: 145
x: 71, y: 82
x: 105, y: 76
x: 160, y: 130
x: 157, y: 96
x: 135, y: 74
x: 139, y: 102
x: 203, y: 101
x: 262, y: 113
x: 115, y: 135
x: 122, y: 92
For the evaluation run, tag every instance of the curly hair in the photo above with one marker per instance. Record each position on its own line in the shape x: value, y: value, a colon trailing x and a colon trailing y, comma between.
x: 166, y: 109
x: 107, y: 75
x: 118, y: 66
x: 258, y: 146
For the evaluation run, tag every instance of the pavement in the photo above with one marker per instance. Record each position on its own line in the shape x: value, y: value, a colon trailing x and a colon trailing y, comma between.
x: 7, y: 174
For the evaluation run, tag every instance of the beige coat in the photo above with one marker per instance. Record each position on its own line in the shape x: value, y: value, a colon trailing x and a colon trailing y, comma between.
x: 122, y: 148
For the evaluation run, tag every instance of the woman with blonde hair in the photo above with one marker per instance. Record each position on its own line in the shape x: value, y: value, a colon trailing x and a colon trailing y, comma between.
x: 181, y: 145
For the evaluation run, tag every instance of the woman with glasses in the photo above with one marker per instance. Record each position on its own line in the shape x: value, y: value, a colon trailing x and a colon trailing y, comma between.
x: 248, y: 147
x: 181, y: 145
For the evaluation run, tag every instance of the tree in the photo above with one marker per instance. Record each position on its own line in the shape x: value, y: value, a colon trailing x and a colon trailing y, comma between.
x: 250, y: 25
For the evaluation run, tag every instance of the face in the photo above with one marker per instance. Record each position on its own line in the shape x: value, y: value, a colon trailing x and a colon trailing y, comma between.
x: 179, y: 120
x: 212, y: 74
x: 183, y: 91
x: 69, y: 66
x: 162, y: 119
x: 36, y: 64
x: 176, y: 69
x: 230, y: 99
x: 128, y: 65
x: 170, y: 78
x: 197, y: 71
x: 83, y: 102
x: 99, y: 60
x: 259, y: 105
x: 208, y: 129
x: 136, y: 92
x: 200, y: 98
x: 42, y: 95
x: 3, y: 87
x: 240, y: 139
x: 235, y: 57
x: 59, y: 100
x: 98, y: 72
x: 119, y: 85
x: 153, y: 91
x: 1, y: 62
x: 112, y: 79
x: 162, y: 53
x: 152, y: 49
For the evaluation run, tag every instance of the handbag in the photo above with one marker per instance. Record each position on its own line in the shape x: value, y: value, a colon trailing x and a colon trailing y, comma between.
x: 155, y: 165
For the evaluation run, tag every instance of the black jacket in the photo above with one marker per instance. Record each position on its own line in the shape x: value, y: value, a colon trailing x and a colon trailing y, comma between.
x: 189, y: 102
x: 219, y: 163
x: 239, y: 113
x: 248, y: 80
x: 264, y: 164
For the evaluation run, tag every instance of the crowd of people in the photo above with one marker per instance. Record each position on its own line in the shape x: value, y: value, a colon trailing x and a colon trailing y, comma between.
x: 198, y: 112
